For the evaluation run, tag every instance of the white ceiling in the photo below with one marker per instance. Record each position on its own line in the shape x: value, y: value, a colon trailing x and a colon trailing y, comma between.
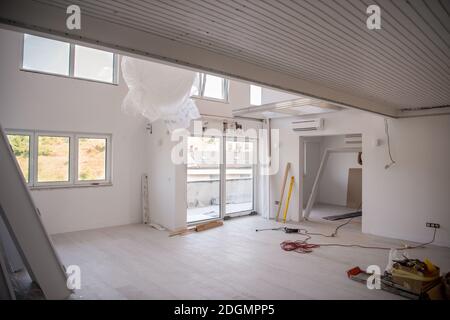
x: 406, y: 64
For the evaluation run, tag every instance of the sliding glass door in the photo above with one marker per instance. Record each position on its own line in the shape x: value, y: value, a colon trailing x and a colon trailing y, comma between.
x: 239, y: 173
x: 203, y: 178
x: 209, y: 180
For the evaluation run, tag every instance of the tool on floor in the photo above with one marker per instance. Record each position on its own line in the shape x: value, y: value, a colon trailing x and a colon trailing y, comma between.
x: 285, y: 229
x: 411, y: 283
x: 291, y: 185
x: 283, y: 187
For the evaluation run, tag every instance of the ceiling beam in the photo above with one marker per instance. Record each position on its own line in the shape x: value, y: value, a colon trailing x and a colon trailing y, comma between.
x: 40, y: 19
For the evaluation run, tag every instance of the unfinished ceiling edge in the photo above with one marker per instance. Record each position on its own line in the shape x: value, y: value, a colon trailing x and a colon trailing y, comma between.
x: 40, y: 19
x: 424, y: 112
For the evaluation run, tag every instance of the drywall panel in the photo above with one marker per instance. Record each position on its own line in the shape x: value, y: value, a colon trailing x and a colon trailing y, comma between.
x: 354, y: 188
x: 399, y: 201
x: 12, y: 255
x: 38, y: 101
x: 24, y: 224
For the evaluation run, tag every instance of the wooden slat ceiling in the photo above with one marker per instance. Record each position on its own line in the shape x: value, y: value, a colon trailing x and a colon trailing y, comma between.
x: 406, y: 64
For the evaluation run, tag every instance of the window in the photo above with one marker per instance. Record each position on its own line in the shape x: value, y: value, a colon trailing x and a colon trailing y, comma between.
x: 93, y: 64
x: 255, y: 95
x: 62, y: 159
x: 46, y: 55
x: 20, y: 144
x: 210, y: 87
x: 91, y: 159
x: 67, y: 59
x: 53, y: 159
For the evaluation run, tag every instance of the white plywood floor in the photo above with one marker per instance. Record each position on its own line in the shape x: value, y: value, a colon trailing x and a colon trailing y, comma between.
x: 229, y: 262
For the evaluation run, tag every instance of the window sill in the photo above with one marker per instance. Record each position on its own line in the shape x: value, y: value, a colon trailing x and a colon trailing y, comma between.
x: 68, y: 76
x: 70, y: 186
x: 210, y: 99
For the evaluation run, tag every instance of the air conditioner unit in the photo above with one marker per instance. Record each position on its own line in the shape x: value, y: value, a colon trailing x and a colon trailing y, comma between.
x: 307, y: 125
x: 353, y: 140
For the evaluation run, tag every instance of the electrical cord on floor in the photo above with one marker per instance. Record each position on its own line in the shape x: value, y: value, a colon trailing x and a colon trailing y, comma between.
x: 302, y: 246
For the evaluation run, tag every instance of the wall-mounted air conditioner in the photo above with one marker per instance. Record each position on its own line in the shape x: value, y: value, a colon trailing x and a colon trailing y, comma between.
x: 353, y: 140
x: 307, y: 125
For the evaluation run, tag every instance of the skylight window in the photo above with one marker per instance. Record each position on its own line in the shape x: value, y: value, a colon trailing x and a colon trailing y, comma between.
x: 210, y: 87
x: 67, y: 59
x: 255, y: 95
x: 93, y: 64
x: 46, y: 55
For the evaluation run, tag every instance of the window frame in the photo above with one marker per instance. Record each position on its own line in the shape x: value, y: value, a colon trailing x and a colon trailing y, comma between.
x: 30, y: 134
x: 107, y: 158
x: 73, y: 181
x: 38, y: 134
x: 201, y: 89
x: 71, y: 75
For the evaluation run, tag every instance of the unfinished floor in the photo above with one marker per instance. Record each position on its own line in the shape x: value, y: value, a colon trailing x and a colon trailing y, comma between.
x: 230, y: 262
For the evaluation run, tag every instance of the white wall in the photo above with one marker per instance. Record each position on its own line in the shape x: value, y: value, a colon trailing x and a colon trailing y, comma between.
x: 396, y: 202
x: 271, y: 96
x: 43, y: 102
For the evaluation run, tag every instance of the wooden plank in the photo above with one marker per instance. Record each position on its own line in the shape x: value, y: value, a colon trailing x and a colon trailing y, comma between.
x: 354, y: 188
x: 291, y: 185
x: 208, y: 225
x: 283, y: 187
x: 182, y: 232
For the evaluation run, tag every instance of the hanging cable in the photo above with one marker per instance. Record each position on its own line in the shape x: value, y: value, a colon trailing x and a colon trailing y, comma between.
x: 386, y: 130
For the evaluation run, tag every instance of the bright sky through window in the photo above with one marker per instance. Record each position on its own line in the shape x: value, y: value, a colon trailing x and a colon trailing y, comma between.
x: 93, y: 64
x: 214, y: 87
x: 255, y: 95
x: 46, y: 55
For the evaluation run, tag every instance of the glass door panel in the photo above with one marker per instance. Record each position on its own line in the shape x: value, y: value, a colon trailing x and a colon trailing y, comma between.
x: 203, y: 178
x: 239, y: 172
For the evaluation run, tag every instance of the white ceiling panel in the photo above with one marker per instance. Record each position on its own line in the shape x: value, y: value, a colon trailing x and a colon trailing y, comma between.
x: 405, y: 64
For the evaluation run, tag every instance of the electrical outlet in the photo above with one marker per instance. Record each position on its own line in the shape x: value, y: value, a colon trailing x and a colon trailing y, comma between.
x: 433, y: 225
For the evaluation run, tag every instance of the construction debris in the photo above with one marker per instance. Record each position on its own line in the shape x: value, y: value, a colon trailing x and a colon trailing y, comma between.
x: 415, y: 275
x: 208, y: 225
x: 197, y: 228
x: 409, y: 278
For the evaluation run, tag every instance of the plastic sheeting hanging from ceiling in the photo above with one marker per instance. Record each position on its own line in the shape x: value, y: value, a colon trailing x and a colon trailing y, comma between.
x: 158, y: 91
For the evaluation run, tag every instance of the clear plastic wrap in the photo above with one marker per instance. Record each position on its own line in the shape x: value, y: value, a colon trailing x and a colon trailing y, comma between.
x: 158, y: 91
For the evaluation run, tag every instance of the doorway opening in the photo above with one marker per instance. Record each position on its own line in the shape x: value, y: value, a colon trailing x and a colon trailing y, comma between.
x: 332, y: 177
